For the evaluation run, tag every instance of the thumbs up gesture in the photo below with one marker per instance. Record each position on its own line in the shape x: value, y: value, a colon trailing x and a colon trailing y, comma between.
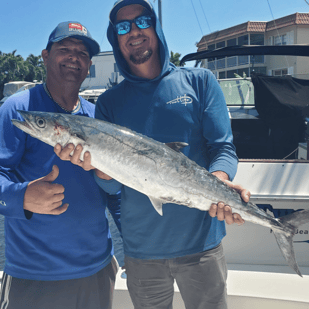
x: 44, y: 197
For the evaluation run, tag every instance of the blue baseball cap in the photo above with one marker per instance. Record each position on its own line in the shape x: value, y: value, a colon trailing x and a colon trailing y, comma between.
x: 122, y: 3
x: 75, y: 30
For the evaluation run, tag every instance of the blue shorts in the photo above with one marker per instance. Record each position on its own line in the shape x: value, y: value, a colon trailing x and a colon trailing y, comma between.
x: 201, y: 279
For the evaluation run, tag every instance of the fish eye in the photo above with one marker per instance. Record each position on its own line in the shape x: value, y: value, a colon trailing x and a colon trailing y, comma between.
x: 41, y: 123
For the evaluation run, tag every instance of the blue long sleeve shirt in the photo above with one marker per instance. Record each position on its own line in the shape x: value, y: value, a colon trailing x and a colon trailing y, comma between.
x: 72, y: 245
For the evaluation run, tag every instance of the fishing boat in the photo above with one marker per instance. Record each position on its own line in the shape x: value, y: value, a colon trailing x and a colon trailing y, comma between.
x: 91, y: 95
x: 14, y: 87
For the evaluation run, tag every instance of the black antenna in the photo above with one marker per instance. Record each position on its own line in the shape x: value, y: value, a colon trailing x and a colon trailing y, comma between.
x: 197, y: 18
x: 205, y: 16
x: 159, y: 11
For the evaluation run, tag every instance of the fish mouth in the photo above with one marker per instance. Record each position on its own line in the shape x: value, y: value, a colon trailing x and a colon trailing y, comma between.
x: 26, y: 125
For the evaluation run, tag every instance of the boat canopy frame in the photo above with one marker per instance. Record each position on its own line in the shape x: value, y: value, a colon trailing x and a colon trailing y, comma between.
x: 239, y: 50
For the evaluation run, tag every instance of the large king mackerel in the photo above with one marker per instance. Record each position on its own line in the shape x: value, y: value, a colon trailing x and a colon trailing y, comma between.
x: 157, y: 170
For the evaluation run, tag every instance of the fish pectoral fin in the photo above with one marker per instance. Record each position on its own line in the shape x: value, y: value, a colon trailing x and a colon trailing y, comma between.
x: 80, y: 136
x: 177, y: 145
x: 157, y: 204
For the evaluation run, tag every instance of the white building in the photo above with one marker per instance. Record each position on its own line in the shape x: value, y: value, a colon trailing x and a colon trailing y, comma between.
x: 103, y: 72
x: 291, y: 29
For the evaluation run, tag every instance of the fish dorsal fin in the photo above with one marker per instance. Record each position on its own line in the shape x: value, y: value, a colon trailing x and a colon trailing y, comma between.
x: 157, y: 204
x: 177, y: 145
x: 80, y: 136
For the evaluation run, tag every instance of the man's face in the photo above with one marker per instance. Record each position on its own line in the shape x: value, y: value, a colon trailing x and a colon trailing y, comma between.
x: 67, y: 61
x: 139, y: 45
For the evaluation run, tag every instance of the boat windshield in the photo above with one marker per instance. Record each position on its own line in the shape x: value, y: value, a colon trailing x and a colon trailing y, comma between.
x: 238, y: 91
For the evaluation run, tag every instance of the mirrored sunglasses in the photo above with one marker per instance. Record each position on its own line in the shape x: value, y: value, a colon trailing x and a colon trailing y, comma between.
x: 124, y: 26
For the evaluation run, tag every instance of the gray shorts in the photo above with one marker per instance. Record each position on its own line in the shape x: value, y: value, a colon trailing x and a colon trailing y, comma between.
x: 93, y: 292
x: 201, y: 279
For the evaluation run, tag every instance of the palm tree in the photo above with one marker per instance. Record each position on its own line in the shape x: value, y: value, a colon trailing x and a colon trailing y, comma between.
x: 14, y: 68
x: 175, y: 59
x: 36, y: 67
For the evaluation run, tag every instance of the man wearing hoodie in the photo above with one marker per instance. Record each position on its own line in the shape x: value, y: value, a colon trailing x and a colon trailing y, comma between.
x: 167, y: 104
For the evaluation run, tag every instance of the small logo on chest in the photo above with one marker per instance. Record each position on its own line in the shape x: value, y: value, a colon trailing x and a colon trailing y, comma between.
x: 185, y: 100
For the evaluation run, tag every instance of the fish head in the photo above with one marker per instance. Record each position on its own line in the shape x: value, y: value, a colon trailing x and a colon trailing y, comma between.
x: 51, y: 128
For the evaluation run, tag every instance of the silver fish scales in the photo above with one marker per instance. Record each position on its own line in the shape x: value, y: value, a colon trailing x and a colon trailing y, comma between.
x: 157, y: 170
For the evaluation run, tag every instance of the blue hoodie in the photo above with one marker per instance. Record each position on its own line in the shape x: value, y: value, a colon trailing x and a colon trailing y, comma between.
x: 179, y: 105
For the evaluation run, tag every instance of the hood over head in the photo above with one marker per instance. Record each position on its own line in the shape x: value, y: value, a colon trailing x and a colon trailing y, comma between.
x: 112, y: 37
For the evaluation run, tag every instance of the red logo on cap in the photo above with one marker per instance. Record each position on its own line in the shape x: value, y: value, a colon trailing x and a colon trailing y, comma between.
x: 75, y: 26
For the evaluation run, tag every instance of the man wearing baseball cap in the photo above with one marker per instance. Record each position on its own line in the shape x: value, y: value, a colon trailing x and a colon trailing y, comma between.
x: 59, y: 251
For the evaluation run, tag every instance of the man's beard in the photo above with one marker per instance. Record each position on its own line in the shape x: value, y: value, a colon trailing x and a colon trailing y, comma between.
x: 141, y: 56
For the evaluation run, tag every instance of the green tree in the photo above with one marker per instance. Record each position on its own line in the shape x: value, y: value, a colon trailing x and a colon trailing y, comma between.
x: 37, y: 70
x: 175, y: 58
x: 14, y: 68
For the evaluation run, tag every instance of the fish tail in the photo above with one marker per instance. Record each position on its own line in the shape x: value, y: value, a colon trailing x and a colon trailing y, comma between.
x: 284, y: 236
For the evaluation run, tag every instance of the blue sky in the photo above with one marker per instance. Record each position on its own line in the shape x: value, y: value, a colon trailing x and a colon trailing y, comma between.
x: 26, y: 25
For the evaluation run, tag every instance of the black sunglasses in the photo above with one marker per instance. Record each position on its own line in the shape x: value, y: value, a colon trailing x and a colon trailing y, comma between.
x: 124, y: 26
